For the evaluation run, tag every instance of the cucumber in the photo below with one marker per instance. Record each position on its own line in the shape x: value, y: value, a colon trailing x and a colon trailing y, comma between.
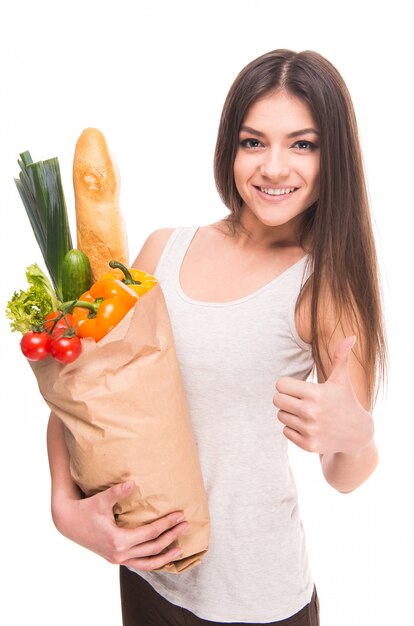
x: 76, y: 274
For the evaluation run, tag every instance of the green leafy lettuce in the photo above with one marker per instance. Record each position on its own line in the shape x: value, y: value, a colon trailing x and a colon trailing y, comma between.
x: 27, y: 309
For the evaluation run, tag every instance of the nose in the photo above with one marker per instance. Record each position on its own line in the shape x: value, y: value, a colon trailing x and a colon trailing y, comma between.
x: 274, y: 164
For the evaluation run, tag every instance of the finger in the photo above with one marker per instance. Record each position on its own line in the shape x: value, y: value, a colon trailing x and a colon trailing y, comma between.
x: 129, y: 542
x: 293, y: 422
x: 151, y: 531
x: 298, y: 439
x: 116, y: 493
x: 157, y: 546
x: 155, y: 562
x: 293, y: 387
x: 287, y: 403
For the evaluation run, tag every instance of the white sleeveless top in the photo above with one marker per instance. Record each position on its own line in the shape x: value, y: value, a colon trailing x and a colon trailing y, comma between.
x: 231, y: 355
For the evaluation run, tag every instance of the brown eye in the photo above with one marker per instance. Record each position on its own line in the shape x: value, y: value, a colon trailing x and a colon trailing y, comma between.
x: 306, y: 146
x: 251, y: 143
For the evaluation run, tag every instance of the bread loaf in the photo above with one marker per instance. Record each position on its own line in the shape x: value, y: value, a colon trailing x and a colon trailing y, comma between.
x: 101, y: 232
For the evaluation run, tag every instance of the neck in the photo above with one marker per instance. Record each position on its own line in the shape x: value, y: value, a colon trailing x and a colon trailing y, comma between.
x: 250, y: 232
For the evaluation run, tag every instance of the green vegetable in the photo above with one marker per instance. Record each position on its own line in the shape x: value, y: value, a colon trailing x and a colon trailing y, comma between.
x: 40, y: 188
x: 27, y: 309
x: 76, y: 274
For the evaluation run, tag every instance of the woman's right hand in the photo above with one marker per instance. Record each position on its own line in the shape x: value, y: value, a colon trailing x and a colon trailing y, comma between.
x: 90, y: 523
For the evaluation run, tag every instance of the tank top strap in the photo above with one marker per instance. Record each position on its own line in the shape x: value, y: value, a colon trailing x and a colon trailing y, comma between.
x: 168, y: 267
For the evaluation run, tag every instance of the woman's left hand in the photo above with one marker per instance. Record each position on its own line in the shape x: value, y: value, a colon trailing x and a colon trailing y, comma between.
x: 325, y: 417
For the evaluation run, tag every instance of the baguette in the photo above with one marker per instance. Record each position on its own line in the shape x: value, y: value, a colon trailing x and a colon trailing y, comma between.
x: 101, y: 232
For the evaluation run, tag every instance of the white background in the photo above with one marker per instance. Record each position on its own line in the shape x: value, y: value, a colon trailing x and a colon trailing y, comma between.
x: 153, y: 77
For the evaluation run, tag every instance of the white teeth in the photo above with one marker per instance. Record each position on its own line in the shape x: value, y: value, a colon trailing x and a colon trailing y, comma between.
x: 277, y: 192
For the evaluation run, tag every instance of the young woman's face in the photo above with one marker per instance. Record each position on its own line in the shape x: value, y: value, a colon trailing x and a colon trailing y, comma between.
x: 276, y: 169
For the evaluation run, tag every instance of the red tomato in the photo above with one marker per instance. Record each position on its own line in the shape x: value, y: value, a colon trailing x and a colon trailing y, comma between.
x: 65, y: 349
x: 35, y: 346
x: 61, y: 326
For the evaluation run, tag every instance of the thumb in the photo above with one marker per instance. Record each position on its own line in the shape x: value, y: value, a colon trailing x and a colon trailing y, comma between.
x: 340, y: 359
x: 118, y: 492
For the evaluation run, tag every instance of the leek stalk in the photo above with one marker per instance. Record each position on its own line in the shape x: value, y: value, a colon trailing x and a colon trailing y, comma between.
x: 40, y: 188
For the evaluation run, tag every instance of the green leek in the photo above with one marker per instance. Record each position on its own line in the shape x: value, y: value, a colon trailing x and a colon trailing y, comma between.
x: 40, y: 188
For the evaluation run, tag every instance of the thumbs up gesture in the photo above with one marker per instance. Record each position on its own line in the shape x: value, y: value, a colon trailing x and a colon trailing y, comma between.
x: 325, y: 417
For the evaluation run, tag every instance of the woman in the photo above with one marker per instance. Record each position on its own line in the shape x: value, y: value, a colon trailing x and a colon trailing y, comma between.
x: 286, y: 284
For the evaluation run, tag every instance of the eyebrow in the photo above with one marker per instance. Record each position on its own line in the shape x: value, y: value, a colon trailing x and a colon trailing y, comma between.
x: 296, y: 133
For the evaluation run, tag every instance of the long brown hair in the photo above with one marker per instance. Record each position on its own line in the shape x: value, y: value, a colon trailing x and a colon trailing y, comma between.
x: 337, y: 228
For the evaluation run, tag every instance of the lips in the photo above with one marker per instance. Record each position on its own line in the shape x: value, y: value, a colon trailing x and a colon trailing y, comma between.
x: 277, y: 191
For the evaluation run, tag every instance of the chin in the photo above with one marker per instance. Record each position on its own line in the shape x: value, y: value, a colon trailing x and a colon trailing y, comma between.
x: 275, y: 220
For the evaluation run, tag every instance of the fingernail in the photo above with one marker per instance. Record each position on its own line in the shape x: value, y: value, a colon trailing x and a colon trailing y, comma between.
x: 177, y: 553
x: 180, y: 519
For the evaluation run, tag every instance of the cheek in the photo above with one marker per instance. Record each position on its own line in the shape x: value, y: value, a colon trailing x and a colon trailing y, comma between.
x: 241, y: 171
x: 313, y: 177
x: 238, y: 173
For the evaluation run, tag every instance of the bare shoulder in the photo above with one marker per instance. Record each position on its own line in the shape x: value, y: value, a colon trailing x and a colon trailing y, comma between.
x: 152, y: 249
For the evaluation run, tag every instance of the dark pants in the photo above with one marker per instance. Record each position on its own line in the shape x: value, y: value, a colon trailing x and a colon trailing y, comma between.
x: 143, y: 606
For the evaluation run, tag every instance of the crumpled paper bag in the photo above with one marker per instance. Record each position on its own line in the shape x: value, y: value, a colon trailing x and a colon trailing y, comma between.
x: 126, y: 417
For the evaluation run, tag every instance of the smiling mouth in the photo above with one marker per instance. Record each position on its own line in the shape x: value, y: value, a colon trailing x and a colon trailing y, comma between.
x: 277, y: 192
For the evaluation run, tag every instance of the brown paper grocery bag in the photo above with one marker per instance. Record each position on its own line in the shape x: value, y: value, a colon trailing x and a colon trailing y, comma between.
x: 126, y: 417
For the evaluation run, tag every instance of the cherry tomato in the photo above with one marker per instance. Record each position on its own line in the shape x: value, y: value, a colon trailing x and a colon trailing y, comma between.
x: 35, y: 346
x: 61, y: 325
x: 65, y: 349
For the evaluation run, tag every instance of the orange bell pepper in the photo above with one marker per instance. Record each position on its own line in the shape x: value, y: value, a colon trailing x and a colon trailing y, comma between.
x: 139, y: 281
x: 102, y: 307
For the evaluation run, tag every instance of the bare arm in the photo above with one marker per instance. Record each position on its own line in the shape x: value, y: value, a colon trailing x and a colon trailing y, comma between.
x: 332, y: 417
x: 151, y: 251
x: 347, y: 471
x: 90, y: 521
x: 62, y: 484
